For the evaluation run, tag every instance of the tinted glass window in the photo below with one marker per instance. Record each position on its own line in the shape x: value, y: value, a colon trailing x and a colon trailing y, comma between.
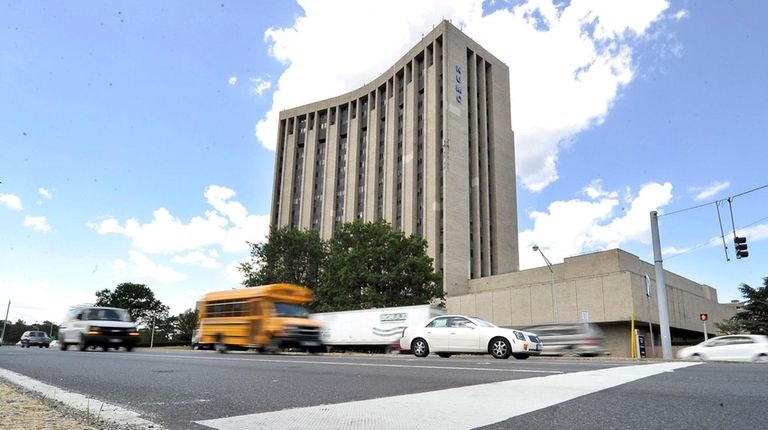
x: 290, y: 310
x: 439, y: 322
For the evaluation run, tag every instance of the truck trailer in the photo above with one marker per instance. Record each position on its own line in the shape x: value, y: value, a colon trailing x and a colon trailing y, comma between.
x: 376, y: 329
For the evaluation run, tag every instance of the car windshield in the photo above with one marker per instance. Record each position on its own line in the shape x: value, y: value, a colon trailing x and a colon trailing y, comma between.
x: 290, y: 310
x: 482, y: 322
x: 106, y: 314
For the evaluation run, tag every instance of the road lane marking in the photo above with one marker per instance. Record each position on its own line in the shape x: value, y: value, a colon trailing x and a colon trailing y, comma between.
x: 454, y: 408
x: 344, y: 363
x: 94, y: 408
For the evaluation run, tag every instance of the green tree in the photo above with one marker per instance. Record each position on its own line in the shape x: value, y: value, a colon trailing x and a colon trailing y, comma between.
x: 184, y: 324
x: 137, y: 299
x: 291, y: 256
x: 730, y: 326
x: 754, y: 316
x: 372, y: 265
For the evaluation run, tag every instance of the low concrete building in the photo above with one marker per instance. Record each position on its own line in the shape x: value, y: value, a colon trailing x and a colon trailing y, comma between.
x: 605, y: 288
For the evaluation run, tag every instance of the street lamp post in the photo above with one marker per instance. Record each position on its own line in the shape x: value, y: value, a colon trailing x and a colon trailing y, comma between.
x: 555, y: 315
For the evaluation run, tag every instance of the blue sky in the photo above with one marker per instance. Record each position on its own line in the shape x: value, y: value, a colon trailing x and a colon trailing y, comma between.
x: 137, y: 137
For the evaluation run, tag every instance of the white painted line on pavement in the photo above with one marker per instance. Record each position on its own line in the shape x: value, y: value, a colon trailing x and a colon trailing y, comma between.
x: 454, y: 408
x: 95, y: 408
x: 345, y: 363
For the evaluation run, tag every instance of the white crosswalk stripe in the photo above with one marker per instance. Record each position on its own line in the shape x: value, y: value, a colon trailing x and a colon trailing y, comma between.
x: 454, y: 408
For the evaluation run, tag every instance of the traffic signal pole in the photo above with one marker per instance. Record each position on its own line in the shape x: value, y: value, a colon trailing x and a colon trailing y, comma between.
x: 661, y: 289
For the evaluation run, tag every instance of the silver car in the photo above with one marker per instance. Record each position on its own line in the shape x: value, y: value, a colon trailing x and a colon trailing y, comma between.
x: 570, y: 339
x: 35, y: 338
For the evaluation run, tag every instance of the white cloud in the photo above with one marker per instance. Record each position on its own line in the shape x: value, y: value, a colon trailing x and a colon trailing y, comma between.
x: 232, y: 273
x: 38, y: 301
x: 39, y: 223
x: 754, y: 233
x: 141, y: 266
x: 232, y: 80
x: 576, y: 226
x: 567, y: 62
x: 680, y: 15
x: 259, y: 86
x: 226, y: 227
x: 45, y: 193
x: 595, y: 191
x: 11, y: 201
x: 199, y: 258
x: 704, y: 193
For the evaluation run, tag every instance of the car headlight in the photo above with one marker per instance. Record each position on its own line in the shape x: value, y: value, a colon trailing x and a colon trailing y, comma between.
x: 519, y: 336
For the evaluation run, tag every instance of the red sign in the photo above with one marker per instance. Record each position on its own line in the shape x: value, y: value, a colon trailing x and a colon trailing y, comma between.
x: 703, y: 317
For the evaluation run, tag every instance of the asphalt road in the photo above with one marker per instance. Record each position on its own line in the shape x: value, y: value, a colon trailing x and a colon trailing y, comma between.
x: 178, y: 388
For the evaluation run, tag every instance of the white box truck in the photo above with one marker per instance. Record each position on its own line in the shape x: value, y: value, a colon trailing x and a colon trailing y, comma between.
x: 380, y: 327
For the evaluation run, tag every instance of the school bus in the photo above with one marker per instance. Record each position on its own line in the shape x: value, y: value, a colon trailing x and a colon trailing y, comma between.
x: 267, y: 318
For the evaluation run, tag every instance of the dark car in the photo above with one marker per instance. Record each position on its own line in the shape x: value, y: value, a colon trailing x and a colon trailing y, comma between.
x: 35, y: 338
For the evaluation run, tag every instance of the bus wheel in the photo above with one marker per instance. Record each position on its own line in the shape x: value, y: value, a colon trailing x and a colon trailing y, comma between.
x: 220, y: 346
x: 271, y: 348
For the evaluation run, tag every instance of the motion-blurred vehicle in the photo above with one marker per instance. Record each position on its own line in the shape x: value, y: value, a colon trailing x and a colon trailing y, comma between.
x: 35, y: 338
x: 458, y: 334
x: 92, y: 326
x: 55, y: 344
x: 377, y: 329
x: 570, y: 339
x: 268, y: 318
x: 737, y: 347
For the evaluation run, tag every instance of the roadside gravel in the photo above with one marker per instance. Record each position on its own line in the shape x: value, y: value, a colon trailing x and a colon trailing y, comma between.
x: 22, y: 410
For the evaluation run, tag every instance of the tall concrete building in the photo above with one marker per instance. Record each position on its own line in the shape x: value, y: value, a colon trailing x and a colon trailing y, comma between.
x: 427, y: 146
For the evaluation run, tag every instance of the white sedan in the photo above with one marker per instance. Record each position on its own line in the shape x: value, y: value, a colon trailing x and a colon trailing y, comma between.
x: 737, y: 347
x: 457, y: 334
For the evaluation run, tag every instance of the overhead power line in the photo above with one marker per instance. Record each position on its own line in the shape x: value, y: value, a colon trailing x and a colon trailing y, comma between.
x: 715, y: 201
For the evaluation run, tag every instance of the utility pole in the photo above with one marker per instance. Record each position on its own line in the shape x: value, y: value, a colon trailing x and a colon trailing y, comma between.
x: 661, y: 289
x: 650, y: 324
x: 5, y: 322
x: 555, y: 314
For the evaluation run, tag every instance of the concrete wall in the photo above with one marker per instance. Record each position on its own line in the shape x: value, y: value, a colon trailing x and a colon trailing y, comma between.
x: 606, y: 287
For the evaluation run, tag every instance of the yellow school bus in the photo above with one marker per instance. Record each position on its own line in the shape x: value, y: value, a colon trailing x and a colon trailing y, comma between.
x: 267, y: 318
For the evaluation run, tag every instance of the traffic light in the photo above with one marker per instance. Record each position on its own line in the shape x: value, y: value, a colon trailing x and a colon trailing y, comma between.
x: 740, y: 244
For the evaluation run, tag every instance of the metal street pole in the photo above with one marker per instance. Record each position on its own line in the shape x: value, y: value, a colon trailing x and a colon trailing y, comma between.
x: 650, y: 315
x: 555, y: 313
x: 661, y: 289
x: 5, y: 322
x: 152, y: 337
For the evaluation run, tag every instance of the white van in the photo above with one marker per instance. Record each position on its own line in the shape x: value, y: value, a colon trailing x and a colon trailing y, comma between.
x: 87, y: 326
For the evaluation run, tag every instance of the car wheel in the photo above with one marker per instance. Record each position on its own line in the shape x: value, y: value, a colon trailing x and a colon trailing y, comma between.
x: 697, y: 357
x: 762, y: 358
x: 521, y: 356
x: 129, y: 348
x: 500, y: 348
x: 570, y: 353
x: 63, y: 345
x: 420, y: 347
x: 443, y: 354
x: 82, y: 345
